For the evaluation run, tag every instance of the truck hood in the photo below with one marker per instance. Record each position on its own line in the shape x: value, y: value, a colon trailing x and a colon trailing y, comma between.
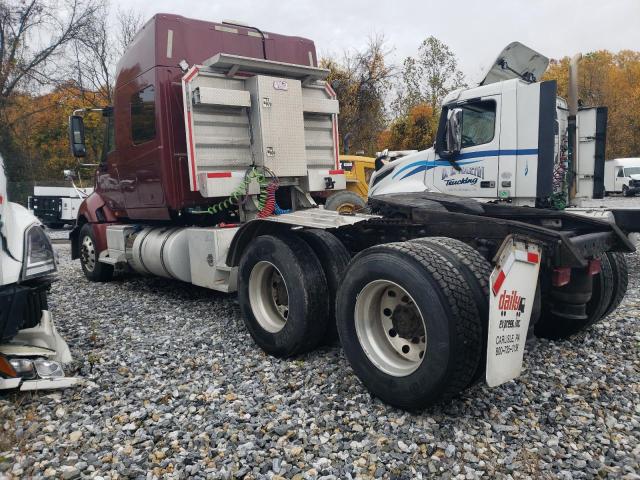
x: 515, y: 61
x: 635, y: 176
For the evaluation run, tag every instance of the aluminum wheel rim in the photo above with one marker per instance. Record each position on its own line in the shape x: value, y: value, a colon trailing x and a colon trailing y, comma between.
x: 268, y: 296
x: 88, y: 253
x: 390, y: 328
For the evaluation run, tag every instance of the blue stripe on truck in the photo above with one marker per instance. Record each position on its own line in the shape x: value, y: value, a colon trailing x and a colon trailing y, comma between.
x: 423, y: 165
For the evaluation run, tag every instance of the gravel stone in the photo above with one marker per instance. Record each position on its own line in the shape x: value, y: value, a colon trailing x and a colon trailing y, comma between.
x: 174, y: 387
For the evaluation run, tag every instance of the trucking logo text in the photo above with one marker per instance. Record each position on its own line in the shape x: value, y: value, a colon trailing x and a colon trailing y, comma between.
x: 510, y: 302
x: 474, y: 172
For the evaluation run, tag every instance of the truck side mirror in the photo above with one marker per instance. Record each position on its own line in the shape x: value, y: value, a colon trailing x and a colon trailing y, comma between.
x: 454, y: 132
x: 76, y: 136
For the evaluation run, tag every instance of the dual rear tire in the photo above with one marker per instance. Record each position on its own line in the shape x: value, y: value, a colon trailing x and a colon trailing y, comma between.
x: 411, y: 316
x: 286, y: 290
x: 409, y: 323
x: 608, y: 289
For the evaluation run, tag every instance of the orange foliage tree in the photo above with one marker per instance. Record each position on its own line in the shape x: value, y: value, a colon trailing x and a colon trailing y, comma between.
x: 416, y: 130
x: 38, y: 125
x: 611, y: 80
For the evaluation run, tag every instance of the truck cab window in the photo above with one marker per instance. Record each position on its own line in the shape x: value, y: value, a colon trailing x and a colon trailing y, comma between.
x: 478, y: 123
x: 143, y: 115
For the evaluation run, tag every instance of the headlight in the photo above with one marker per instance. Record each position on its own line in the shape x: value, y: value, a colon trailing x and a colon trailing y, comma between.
x: 38, y: 256
x: 39, y: 368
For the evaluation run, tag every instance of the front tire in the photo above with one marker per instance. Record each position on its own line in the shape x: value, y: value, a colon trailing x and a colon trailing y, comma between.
x: 408, y: 324
x: 282, y: 291
x: 94, y: 270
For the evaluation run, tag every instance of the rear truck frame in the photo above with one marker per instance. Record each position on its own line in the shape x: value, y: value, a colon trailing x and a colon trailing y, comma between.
x: 425, y: 267
x: 428, y: 293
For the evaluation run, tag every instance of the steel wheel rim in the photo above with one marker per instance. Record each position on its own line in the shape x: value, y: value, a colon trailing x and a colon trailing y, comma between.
x: 390, y: 328
x: 88, y: 254
x: 268, y: 296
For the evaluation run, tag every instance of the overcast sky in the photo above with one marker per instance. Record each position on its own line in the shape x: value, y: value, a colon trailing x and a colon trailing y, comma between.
x: 475, y: 30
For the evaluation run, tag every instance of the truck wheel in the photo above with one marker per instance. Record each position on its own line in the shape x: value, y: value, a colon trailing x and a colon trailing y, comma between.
x: 555, y: 327
x: 283, y: 295
x: 625, y: 191
x: 620, y: 280
x: 94, y: 270
x: 345, y: 202
x: 408, y: 324
x: 477, y: 271
x: 334, y: 259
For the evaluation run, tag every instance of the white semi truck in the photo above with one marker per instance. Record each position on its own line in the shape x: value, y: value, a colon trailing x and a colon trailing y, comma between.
x: 32, y: 353
x: 219, y: 140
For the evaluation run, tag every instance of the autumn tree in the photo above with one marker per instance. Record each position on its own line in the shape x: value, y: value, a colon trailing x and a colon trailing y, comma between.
x: 362, y: 81
x: 424, y: 82
x: 611, y: 80
x: 35, y: 35
x: 55, y: 57
x: 415, y: 130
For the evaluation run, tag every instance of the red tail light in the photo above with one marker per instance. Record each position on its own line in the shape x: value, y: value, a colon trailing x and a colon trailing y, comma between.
x: 595, y: 266
x: 561, y: 276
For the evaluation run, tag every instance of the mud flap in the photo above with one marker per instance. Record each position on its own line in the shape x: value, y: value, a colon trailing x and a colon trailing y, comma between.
x: 513, y: 288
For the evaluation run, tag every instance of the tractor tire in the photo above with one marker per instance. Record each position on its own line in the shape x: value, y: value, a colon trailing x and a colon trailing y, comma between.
x: 283, y: 295
x: 408, y: 324
x: 345, y: 201
x: 334, y: 258
x: 555, y: 327
x: 620, y: 280
x: 477, y: 271
x: 94, y: 270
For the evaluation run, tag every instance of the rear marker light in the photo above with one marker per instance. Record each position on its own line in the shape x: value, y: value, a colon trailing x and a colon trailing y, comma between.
x: 595, y: 266
x: 561, y: 276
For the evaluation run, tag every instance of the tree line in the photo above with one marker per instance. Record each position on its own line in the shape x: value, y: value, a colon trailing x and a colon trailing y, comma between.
x: 55, y: 56
x: 59, y: 56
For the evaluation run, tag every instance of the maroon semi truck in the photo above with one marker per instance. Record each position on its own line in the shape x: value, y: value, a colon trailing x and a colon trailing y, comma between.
x: 218, y: 138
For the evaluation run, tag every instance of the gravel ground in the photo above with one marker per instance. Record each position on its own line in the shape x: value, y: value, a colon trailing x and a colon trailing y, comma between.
x: 176, y: 388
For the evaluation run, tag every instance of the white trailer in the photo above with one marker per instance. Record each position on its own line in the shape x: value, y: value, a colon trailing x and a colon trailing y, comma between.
x: 622, y: 175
